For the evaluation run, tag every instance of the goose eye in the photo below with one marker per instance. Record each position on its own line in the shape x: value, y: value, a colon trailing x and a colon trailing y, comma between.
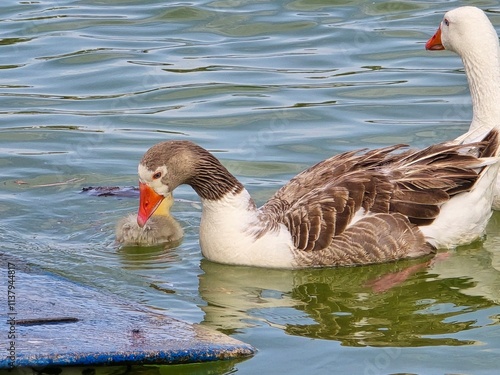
x: 157, y: 175
x: 446, y: 22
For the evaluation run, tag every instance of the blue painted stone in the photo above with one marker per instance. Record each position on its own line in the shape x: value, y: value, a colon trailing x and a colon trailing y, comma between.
x: 59, y: 322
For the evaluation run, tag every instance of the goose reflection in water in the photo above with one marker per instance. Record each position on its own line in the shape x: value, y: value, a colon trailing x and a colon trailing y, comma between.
x: 405, y: 304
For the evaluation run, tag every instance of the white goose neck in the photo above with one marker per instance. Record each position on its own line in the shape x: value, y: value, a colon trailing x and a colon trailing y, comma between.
x: 483, y: 75
x: 235, y: 202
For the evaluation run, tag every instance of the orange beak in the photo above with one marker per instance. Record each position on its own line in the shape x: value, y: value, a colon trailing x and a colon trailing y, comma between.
x: 434, y: 43
x: 149, y: 201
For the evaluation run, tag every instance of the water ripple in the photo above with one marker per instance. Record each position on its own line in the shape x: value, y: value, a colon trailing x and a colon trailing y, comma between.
x: 271, y: 87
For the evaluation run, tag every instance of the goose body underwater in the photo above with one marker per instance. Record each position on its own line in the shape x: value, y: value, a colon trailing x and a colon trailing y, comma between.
x: 355, y: 208
x: 468, y: 32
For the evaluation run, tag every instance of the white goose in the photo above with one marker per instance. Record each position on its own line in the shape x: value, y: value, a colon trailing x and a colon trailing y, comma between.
x: 351, y: 209
x: 468, y: 32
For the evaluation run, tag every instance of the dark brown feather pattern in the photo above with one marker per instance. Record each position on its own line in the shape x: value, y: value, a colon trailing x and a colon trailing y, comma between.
x: 375, y: 239
x: 409, y: 187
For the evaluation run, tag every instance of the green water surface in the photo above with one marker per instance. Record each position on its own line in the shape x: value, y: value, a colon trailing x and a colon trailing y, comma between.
x: 271, y: 87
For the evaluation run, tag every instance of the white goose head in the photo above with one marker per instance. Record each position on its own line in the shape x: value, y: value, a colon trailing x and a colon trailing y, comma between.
x: 464, y: 30
x: 468, y: 32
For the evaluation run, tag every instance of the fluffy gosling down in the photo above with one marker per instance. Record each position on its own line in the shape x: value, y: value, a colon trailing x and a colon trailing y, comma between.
x: 161, y: 228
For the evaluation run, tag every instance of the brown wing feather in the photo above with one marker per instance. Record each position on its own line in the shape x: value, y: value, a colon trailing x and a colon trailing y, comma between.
x: 374, y: 239
x: 317, y: 218
x: 426, y: 179
x: 330, y: 169
x: 318, y: 205
x: 321, y: 214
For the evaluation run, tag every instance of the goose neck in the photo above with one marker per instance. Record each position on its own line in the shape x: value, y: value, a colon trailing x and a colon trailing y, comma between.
x: 483, y: 75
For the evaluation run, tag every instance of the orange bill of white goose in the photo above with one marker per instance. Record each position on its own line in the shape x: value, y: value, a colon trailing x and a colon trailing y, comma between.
x: 355, y: 208
x: 468, y: 32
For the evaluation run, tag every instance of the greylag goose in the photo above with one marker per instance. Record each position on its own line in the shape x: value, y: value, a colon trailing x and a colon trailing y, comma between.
x: 354, y: 208
x: 468, y: 32
x: 161, y: 227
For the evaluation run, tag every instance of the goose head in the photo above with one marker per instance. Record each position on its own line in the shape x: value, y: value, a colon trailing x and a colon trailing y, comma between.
x: 464, y: 30
x: 468, y: 32
x: 163, y: 167
x: 169, y: 164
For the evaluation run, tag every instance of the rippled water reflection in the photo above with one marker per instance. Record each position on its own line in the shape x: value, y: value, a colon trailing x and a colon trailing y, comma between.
x: 271, y: 87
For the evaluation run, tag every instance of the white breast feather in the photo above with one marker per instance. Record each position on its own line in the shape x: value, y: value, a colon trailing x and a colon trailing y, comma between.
x: 225, y: 236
